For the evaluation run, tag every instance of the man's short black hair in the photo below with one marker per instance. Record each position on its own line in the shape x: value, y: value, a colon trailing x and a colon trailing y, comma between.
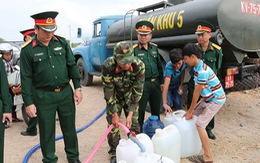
x: 176, y: 55
x: 190, y: 49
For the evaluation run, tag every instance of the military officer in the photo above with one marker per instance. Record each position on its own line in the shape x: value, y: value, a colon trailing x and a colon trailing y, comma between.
x: 28, y: 34
x: 31, y: 130
x: 212, y: 56
x: 47, y: 66
x: 153, y: 86
x: 5, y: 106
x: 123, y: 78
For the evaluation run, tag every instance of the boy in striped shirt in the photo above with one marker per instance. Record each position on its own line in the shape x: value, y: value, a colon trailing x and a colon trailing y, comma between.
x: 208, y: 86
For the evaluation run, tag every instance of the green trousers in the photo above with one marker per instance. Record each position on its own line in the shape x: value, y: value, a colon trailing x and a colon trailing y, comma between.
x: 48, y: 104
x: 152, y: 93
x: 114, y: 136
x: 2, y: 133
x: 191, y: 86
x: 32, y: 125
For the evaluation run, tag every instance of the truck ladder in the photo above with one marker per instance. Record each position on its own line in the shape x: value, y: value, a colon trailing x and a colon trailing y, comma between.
x: 130, y: 12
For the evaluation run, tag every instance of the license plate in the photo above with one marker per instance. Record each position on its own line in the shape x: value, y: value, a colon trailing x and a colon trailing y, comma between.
x: 229, y: 81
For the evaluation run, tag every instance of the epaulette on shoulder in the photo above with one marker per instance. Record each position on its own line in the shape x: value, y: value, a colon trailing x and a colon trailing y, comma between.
x: 135, y: 45
x: 26, y: 43
x: 153, y: 44
x: 216, y: 46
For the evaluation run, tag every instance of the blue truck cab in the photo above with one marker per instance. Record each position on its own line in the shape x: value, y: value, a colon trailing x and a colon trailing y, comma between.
x: 90, y: 57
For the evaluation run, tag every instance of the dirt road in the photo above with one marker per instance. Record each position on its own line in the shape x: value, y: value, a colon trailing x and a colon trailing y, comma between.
x: 237, y: 130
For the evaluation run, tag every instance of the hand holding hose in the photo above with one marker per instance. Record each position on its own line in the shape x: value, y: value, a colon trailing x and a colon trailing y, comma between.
x: 115, y: 119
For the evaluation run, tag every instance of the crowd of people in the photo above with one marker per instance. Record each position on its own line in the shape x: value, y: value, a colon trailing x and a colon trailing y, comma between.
x: 127, y: 84
x: 132, y: 77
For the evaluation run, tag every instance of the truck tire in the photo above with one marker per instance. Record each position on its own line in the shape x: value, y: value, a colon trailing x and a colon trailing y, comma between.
x: 85, y: 78
x: 246, y: 83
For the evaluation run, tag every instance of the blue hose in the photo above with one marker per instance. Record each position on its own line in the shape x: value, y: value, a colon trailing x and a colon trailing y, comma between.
x: 137, y: 142
x: 29, y: 154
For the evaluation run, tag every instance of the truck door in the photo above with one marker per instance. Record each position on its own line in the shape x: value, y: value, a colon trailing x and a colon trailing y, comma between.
x: 96, y: 46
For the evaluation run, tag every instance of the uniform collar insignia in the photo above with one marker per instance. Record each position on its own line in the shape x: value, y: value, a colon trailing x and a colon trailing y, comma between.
x: 131, y: 68
x: 117, y: 69
x: 34, y: 43
x: 140, y: 46
x: 55, y: 38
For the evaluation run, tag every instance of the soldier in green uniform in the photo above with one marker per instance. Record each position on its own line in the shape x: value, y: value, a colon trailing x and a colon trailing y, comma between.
x: 31, y: 130
x: 153, y: 86
x: 123, y: 78
x: 47, y: 66
x: 5, y: 106
x: 28, y: 34
x: 212, y: 56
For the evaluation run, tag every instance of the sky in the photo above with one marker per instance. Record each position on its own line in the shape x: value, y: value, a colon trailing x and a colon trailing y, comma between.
x: 15, y: 15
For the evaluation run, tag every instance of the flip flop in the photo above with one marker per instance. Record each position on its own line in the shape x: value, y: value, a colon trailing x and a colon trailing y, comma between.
x: 198, y: 159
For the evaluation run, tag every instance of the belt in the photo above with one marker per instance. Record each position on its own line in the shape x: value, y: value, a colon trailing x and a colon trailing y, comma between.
x: 150, y: 79
x: 53, y: 89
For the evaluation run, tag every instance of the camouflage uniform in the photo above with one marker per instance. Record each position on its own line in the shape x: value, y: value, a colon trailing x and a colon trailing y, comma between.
x: 122, y: 89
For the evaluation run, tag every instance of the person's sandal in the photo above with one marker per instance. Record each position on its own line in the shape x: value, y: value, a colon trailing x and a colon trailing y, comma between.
x: 198, y: 159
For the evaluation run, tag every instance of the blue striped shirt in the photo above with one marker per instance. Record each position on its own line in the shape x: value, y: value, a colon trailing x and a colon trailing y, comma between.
x: 174, y: 73
x: 213, y: 90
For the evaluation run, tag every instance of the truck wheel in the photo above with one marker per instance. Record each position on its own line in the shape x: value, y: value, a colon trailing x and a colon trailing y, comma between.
x: 246, y: 83
x: 85, y: 78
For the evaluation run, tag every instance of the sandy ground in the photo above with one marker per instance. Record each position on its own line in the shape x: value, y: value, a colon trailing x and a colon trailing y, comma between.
x: 236, y: 126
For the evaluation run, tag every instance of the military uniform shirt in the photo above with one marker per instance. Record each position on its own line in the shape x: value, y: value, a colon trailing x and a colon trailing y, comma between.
x: 151, y: 59
x: 212, y: 91
x: 123, y: 85
x: 213, y: 57
x: 5, y: 97
x: 47, y: 66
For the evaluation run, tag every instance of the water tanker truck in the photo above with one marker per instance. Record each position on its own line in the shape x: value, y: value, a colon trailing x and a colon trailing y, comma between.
x: 235, y: 27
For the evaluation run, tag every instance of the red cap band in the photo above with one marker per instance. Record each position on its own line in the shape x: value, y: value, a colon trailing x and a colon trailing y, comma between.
x: 47, y: 22
x: 28, y: 32
x: 144, y: 28
x: 203, y: 28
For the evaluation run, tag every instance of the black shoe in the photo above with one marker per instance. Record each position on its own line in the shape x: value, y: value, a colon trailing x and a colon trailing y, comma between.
x: 211, y: 135
x: 113, y: 159
x: 74, y: 161
x: 26, y: 133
